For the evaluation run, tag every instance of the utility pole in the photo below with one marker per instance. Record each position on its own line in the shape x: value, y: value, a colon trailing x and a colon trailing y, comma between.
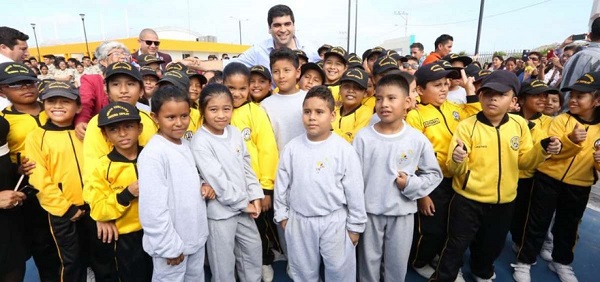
x: 479, y: 27
x: 404, y: 15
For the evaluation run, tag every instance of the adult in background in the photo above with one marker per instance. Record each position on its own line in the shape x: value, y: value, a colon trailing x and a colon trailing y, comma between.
x: 443, y: 47
x: 497, y: 63
x: 418, y: 51
x: 13, y: 48
x: 149, y: 43
x: 280, y: 20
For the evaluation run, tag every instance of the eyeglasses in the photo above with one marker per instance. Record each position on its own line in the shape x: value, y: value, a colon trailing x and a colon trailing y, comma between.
x: 21, y: 84
x: 534, y: 59
x: 150, y: 42
x: 412, y: 66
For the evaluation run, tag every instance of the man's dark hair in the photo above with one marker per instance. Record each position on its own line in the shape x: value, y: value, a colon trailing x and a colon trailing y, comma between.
x: 418, y: 46
x: 9, y: 36
x: 85, y: 57
x: 279, y: 11
x: 443, y: 39
x: 574, y: 48
x: 322, y: 92
x: 284, y: 53
x: 595, y: 32
x: 32, y: 59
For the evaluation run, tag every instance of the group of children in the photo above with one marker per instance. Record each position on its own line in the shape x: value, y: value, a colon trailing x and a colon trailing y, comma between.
x: 366, y: 170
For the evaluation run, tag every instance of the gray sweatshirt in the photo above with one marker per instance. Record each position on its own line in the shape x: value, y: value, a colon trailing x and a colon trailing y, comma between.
x: 285, y: 113
x: 224, y: 163
x: 383, y: 156
x: 318, y: 178
x: 172, y: 210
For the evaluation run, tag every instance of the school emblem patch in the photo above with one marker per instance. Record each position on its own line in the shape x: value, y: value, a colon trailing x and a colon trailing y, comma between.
x: 188, y: 135
x: 456, y: 115
x: 514, y: 143
x: 320, y: 165
x: 246, y: 132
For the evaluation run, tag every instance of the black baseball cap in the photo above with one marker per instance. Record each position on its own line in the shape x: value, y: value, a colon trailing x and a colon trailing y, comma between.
x: 375, y: 50
x: 301, y: 54
x: 501, y: 81
x: 262, y: 70
x: 123, y: 68
x: 472, y: 69
x: 146, y: 59
x: 356, y: 75
x: 395, y: 55
x: 337, y: 51
x: 320, y: 64
x: 312, y: 66
x: 536, y: 87
x: 480, y: 75
x: 177, y: 78
x: 466, y: 60
x: 324, y: 47
x: 192, y: 73
x: 116, y: 112
x: 177, y: 67
x: 385, y: 63
x: 13, y: 72
x: 446, y: 65
x: 59, y: 89
x: 433, y: 71
x: 145, y: 70
x: 587, y: 83
x: 354, y: 61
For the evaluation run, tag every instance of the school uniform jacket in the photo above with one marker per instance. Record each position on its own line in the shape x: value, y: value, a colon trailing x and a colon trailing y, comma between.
x: 195, y: 124
x: 57, y: 174
x: 347, y: 126
x: 439, y: 124
x: 258, y: 135
x: 575, y: 164
x: 538, y: 126
x: 106, y: 192
x: 95, y: 145
x: 495, y: 155
x: 369, y: 102
x: 21, y: 124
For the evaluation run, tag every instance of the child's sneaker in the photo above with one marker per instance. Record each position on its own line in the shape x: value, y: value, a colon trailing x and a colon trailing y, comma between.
x: 521, y: 272
x: 546, y: 252
x: 425, y: 271
x: 565, y: 272
x: 459, y: 277
x: 267, y: 273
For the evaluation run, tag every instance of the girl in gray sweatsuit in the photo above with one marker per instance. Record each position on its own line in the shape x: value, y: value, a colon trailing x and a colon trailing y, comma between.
x: 224, y: 164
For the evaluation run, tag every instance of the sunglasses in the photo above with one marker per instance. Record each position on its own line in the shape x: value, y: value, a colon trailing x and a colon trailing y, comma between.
x: 21, y: 84
x: 412, y: 66
x: 534, y: 59
x: 150, y: 42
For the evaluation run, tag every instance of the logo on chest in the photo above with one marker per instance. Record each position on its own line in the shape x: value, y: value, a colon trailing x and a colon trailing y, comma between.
x: 514, y: 143
x: 432, y: 122
x: 404, y: 157
x: 188, y: 135
x: 246, y: 133
x: 456, y: 115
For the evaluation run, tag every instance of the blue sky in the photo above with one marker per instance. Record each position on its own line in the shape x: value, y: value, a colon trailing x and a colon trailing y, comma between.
x: 507, y: 24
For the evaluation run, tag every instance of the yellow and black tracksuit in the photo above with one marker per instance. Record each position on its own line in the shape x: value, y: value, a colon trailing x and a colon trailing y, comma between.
x: 348, y: 125
x: 480, y: 212
x: 438, y: 124
x: 106, y: 192
x: 538, y: 126
x: 335, y: 92
x: 258, y: 135
x: 38, y: 239
x: 57, y: 176
x: 95, y: 144
x: 369, y: 102
x: 562, y: 184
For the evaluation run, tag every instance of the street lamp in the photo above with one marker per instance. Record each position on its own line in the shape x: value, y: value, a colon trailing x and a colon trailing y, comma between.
x: 85, y: 34
x: 36, y: 42
x: 239, y: 26
x: 404, y: 15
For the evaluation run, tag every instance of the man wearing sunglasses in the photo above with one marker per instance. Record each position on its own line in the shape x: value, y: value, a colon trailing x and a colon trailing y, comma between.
x: 149, y: 43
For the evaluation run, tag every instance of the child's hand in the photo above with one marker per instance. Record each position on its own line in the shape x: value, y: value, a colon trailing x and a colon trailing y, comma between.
x: 597, y: 155
x: 207, y: 192
x: 134, y: 189
x: 469, y: 86
x: 10, y: 199
x: 426, y: 206
x: 78, y: 215
x: 401, y: 180
x: 251, y: 209
x: 80, y: 130
x: 26, y: 166
x: 515, y: 108
x: 460, y: 153
x: 283, y: 224
x: 107, y: 231
x: 554, y: 146
x: 266, y: 203
x: 257, y: 207
x: 578, y: 135
x: 353, y: 237
x: 175, y: 261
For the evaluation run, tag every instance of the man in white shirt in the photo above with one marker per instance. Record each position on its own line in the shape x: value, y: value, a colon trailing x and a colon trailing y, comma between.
x: 149, y: 43
x: 13, y: 48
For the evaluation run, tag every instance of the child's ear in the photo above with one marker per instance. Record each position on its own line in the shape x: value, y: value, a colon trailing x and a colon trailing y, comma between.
x: 154, y: 117
x: 513, y: 101
x: 78, y: 109
x: 332, y: 116
x: 408, y: 102
x: 298, y: 73
x: 141, y: 127
x: 420, y: 90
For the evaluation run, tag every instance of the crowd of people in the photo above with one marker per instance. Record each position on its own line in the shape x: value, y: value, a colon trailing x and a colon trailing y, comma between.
x: 137, y: 167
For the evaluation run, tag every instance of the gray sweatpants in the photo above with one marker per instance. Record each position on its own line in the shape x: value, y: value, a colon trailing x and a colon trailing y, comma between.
x: 388, y: 238
x: 311, y: 238
x: 234, y: 243
x: 191, y: 269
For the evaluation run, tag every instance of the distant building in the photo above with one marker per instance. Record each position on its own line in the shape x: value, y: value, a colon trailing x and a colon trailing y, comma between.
x: 399, y: 44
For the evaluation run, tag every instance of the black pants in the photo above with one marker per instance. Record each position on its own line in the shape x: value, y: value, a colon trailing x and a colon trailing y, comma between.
x: 430, y: 231
x: 268, y: 236
x: 39, y: 242
x: 12, y: 247
x: 78, y: 247
x: 569, y: 202
x: 524, y: 190
x: 133, y: 263
x: 481, y: 226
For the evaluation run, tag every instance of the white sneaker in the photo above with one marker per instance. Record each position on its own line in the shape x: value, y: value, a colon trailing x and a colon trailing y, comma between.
x: 546, y: 252
x: 521, y: 272
x: 425, y: 271
x: 565, y: 272
x: 459, y: 277
x: 90, y: 275
x: 479, y: 279
x: 267, y: 273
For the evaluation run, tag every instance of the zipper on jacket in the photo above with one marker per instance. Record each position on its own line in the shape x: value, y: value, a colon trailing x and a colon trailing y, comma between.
x: 464, y: 186
x: 568, y: 168
x: 445, y: 121
x: 76, y: 159
x: 499, y: 161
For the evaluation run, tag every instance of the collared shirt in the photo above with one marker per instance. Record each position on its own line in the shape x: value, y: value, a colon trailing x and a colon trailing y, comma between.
x: 5, y: 59
x: 259, y: 54
x: 3, y: 101
x: 588, y: 60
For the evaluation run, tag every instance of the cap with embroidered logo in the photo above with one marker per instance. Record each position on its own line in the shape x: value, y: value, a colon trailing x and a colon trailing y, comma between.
x: 262, y: 70
x: 324, y: 47
x: 144, y: 71
x: 587, y: 83
x: 177, y: 67
x: 536, y: 87
x: 59, y: 89
x: 192, y: 73
x: 480, y: 75
x: 385, y: 63
x: 116, y: 112
x: 337, y: 51
x: 11, y: 72
x: 122, y: 68
x: 312, y: 66
x: 375, y: 50
x: 356, y: 75
x: 501, y: 81
x: 354, y: 61
x: 146, y: 59
x: 301, y: 54
x: 177, y: 78
x: 432, y: 72
x: 452, y: 57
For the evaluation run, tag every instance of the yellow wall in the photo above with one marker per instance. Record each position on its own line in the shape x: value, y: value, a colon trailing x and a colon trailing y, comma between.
x: 166, y: 45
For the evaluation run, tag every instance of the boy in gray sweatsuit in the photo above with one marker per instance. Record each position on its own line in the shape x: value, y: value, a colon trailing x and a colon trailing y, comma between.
x: 319, y: 198
x: 399, y: 166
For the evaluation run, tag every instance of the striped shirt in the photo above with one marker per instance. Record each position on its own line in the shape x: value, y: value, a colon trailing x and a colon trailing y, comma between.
x: 588, y: 60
